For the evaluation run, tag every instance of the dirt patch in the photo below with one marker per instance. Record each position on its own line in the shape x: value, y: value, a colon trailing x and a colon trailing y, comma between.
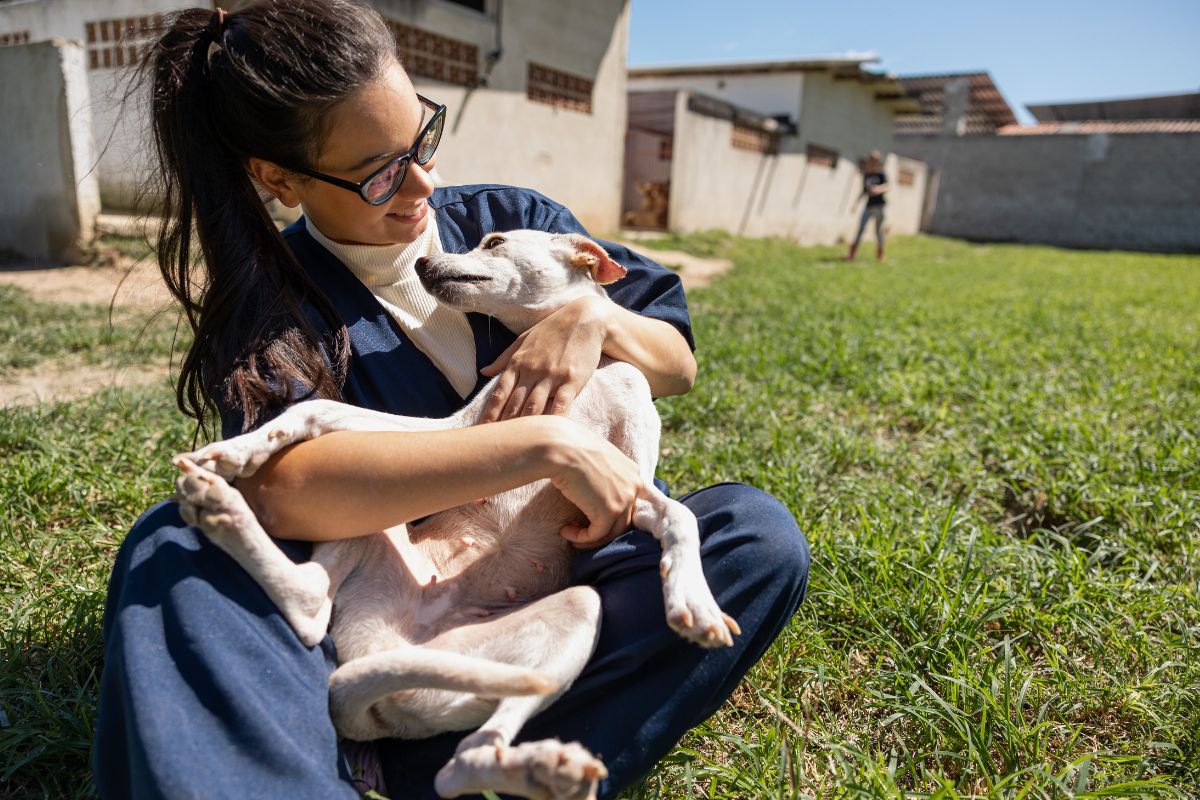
x: 1030, y: 510
x: 121, y: 280
x: 694, y: 271
x: 130, y: 283
x: 116, y: 279
x: 57, y: 380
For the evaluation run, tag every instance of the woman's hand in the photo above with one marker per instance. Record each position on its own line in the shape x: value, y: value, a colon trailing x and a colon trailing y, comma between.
x: 598, y: 478
x: 547, y: 366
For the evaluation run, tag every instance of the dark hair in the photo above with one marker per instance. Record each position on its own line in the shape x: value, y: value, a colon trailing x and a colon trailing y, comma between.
x: 253, y: 83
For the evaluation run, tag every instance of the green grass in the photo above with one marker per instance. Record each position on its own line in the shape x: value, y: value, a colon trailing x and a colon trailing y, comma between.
x: 992, y: 449
x: 33, y: 332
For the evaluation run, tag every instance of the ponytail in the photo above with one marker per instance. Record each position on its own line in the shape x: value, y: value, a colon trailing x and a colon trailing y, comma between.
x: 226, y: 88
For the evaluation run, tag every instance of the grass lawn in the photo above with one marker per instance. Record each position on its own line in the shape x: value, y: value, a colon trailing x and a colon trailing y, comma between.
x: 993, y: 450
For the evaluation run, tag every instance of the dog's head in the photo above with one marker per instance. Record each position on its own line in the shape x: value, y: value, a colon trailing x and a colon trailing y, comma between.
x: 520, y: 276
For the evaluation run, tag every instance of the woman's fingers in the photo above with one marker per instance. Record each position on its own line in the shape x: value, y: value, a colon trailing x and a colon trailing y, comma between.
x: 494, y: 368
x: 590, y: 537
x: 516, y: 401
x: 552, y: 393
x: 560, y: 402
x: 535, y: 402
x: 499, y: 399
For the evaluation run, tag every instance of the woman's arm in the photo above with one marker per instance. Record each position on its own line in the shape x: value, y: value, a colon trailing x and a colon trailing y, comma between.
x: 352, y: 483
x: 547, y: 366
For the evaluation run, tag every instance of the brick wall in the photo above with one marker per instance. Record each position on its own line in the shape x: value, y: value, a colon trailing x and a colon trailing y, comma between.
x: 1109, y: 191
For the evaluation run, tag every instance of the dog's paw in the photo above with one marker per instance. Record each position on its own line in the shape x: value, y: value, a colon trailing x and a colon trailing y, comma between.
x: 692, y: 611
x: 545, y: 770
x: 207, y: 501
x: 300, y: 591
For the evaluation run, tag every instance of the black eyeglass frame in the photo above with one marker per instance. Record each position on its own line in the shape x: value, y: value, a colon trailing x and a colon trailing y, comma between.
x: 360, y: 188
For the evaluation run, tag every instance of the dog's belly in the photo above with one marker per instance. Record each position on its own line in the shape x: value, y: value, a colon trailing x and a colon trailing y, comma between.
x: 454, y: 568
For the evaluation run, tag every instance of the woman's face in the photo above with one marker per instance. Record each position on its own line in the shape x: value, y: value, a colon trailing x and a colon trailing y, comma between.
x: 361, y: 134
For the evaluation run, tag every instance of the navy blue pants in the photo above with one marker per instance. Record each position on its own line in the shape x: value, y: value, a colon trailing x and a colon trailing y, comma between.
x: 207, y: 693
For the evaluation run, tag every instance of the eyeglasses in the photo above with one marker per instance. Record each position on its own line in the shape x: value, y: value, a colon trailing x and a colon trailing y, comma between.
x: 378, y: 187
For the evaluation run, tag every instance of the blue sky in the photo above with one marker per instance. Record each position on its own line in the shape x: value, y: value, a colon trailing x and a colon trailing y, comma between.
x: 1052, y: 50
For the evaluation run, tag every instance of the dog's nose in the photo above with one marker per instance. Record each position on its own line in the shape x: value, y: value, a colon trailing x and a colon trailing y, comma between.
x: 422, y: 267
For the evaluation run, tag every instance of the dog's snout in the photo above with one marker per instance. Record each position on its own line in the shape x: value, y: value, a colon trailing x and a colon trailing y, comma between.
x: 422, y: 267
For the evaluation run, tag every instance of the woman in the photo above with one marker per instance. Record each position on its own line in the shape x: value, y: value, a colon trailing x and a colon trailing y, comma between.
x: 206, y: 691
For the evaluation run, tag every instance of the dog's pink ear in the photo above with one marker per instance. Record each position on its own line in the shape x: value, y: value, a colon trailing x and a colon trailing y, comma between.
x: 592, y: 257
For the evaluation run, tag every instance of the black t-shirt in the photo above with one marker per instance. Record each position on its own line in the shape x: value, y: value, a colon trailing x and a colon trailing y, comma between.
x: 874, y: 179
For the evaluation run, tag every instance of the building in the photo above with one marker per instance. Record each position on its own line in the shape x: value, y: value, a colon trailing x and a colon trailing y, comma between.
x: 1094, y: 174
x: 970, y: 101
x: 1158, y: 107
x: 765, y: 148
x: 535, y: 90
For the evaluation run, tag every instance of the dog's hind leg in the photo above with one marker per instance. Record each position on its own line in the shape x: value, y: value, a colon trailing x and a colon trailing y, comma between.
x: 300, y: 591
x: 556, y: 635
x: 692, y: 611
x: 371, y: 697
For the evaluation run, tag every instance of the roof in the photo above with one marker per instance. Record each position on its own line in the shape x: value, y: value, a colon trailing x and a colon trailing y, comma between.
x: 1103, y: 126
x: 761, y: 66
x: 887, y: 87
x: 1170, y: 106
x: 987, y: 109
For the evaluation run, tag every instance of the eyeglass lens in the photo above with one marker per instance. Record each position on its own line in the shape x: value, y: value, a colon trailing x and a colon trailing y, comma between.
x: 385, y: 184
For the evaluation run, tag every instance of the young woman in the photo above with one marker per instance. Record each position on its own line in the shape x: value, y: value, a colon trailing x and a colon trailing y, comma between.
x: 206, y: 691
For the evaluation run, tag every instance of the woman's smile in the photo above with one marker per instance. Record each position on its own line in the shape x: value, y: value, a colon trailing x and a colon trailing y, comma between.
x: 410, y: 215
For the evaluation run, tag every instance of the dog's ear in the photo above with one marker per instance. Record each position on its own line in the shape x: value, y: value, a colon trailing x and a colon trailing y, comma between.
x: 592, y: 257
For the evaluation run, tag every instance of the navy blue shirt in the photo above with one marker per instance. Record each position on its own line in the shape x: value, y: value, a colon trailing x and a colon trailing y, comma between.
x: 387, y: 371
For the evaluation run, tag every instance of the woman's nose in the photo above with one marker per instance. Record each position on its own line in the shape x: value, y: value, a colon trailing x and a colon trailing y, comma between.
x: 418, y: 183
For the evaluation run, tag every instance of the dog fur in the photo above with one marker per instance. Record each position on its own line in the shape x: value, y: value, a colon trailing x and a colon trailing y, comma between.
x: 465, y: 620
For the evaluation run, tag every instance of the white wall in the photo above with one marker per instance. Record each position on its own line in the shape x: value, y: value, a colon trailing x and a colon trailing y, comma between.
x: 497, y: 135
x: 844, y: 115
x: 767, y: 94
x: 714, y: 185
x: 49, y: 197
x: 118, y: 126
x: 493, y: 134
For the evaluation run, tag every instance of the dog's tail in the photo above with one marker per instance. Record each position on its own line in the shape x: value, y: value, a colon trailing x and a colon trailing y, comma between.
x: 359, y: 684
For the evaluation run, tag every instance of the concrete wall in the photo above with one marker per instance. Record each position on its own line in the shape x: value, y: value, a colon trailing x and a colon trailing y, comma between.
x: 118, y: 126
x: 843, y: 115
x: 714, y: 185
x: 494, y: 134
x: 766, y: 94
x: 1127, y: 191
x: 497, y: 135
x: 49, y: 198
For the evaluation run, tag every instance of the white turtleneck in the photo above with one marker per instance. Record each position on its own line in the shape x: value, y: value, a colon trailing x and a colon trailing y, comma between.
x: 441, y: 333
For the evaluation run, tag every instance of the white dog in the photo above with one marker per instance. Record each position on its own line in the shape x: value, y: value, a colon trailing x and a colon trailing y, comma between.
x: 465, y: 619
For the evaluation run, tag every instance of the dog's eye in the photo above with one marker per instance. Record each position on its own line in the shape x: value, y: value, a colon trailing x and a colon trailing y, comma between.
x: 493, y: 243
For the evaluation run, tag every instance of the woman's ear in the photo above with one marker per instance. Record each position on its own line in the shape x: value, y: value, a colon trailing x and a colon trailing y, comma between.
x: 276, y: 180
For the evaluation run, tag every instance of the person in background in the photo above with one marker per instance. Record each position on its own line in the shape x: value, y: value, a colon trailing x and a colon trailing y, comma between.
x: 875, y: 186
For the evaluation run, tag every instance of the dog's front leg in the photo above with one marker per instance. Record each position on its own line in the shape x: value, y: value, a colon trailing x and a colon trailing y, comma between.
x: 692, y: 611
